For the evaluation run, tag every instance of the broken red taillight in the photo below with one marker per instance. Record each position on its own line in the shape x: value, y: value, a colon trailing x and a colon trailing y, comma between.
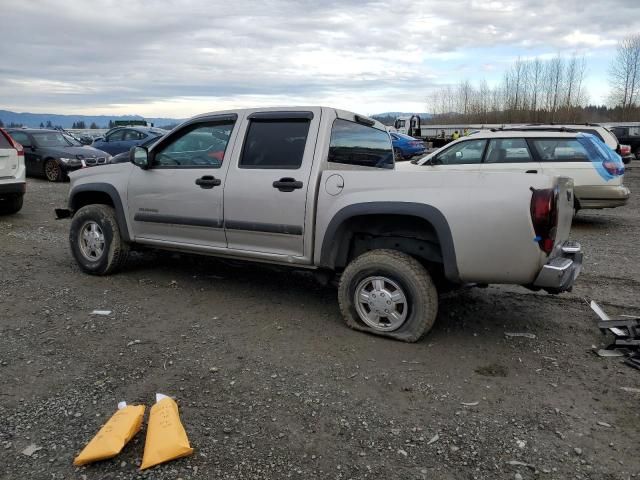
x: 544, y: 215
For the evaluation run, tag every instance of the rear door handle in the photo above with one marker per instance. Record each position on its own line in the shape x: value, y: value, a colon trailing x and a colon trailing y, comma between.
x: 287, y: 184
x: 208, y: 181
x: 531, y: 171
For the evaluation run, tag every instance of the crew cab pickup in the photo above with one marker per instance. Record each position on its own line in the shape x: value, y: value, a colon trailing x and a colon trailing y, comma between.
x: 317, y: 188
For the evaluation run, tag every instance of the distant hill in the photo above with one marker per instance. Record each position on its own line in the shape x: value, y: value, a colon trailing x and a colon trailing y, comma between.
x: 66, y: 121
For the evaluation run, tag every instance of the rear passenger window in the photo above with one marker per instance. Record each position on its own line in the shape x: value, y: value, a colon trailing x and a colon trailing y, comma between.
x: 22, y: 138
x: 133, y: 135
x: 560, y: 150
x: 200, y: 146
x: 116, y: 136
x: 356, y: 144
x: 508, y: 150
x: 275, y: 144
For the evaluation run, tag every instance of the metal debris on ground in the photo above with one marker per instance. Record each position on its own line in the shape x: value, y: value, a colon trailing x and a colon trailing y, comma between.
x: 31, y: 449
x: 103, y: 313
x: 626, y: 332
x: 519, y: 334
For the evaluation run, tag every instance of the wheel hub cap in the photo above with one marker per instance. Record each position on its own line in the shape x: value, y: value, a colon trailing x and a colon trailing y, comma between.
x: 91, y: 241
x: 381, y: 303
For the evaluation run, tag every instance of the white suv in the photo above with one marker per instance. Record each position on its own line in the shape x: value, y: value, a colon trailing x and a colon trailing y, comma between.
x: 12, y: 174
x: 597, y: 171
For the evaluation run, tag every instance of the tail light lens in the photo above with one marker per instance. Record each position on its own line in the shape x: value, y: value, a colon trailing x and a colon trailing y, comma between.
x: 544, y: 215
x: 625, y: 149
x: 614, y: 168
x: 13, y: 143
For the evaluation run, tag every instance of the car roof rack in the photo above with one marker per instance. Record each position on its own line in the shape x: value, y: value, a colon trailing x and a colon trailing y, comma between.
x: 527, y: 128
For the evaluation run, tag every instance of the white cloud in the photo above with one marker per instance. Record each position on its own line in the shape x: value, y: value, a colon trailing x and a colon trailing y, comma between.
x: 166, y: 57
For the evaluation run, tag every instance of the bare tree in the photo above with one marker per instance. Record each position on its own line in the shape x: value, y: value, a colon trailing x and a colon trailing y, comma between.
x: 624, y: 75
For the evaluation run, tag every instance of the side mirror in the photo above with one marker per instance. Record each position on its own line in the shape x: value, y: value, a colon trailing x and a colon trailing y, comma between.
x: 139, y: 156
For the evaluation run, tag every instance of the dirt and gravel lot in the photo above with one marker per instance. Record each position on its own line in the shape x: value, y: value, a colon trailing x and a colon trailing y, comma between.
x: 271, y: 384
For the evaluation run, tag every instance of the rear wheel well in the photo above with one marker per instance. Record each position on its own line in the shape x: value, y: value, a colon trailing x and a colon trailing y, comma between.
x: 412, y: 235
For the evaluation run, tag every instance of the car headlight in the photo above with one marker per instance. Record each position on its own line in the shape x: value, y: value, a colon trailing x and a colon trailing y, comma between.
x: 70, y: 161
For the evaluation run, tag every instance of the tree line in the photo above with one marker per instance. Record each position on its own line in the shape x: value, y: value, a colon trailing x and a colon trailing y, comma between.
x: 544, y: 91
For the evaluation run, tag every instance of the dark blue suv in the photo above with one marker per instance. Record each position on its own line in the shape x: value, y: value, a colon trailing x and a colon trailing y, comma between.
x: 121, y: 139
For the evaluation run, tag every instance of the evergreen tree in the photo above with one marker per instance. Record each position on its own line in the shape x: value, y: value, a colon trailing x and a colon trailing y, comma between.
x: 41, y: 125
x: 49, y: 124
x: 93, y: 126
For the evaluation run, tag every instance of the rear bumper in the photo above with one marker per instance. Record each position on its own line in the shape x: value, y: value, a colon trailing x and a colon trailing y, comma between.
x: 561, y: 271
x: 602, y: 196
x: 12, y: 189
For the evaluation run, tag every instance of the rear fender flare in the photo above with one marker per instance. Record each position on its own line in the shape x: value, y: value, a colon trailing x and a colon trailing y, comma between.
x: 331, y: 240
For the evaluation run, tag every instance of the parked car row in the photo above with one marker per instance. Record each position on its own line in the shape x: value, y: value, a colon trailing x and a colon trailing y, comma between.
x: 53, y: 154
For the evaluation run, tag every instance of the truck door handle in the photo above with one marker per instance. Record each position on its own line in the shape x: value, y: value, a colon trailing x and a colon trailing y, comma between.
x: 208, y: 181
x: 531, y: 171
x: 287, y: 184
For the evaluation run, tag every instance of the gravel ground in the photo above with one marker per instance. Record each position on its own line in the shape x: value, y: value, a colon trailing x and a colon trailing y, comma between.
x: 271, y: 384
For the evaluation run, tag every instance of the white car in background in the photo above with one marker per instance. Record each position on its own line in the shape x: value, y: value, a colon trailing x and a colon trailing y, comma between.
x: 12, y: 174
x: 599, y: 131
x: 597, y: 171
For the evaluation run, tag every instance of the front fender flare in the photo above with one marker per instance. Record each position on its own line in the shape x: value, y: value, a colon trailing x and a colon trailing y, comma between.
x: 110, y: 190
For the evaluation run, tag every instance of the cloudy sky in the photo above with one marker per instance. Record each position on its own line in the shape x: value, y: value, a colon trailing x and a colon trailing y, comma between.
x: 182, y: 57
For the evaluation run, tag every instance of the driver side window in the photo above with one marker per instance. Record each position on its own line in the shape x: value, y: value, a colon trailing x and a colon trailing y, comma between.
x: 463, y: 153
x: 198, y: 146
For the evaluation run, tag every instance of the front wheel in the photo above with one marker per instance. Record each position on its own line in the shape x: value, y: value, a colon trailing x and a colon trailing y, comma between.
x: 95, y: 240
x: 53, y: 171
x: 388, y: 293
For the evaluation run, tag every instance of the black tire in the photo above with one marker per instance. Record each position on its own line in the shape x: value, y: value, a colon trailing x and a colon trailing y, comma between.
x: 115, y: 250
x: 11, y: 205
x: 53, y: 171
x: 397, y: 155
x: 409, y: 274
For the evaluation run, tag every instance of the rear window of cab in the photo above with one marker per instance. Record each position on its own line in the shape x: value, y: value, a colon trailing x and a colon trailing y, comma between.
x: 356, y: 144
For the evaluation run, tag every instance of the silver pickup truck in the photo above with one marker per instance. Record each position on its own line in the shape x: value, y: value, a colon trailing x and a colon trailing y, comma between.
x: 316, y: 188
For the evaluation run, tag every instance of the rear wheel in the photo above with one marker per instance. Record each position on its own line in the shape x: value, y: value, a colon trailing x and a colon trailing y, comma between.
x: 388, y: 293
x: 95, y: 240
x: 397, y: 154
x: 52, y: 171
x: 11, y: 205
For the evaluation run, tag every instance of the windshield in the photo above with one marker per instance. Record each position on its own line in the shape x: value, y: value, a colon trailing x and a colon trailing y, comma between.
x: 50, y: 139
x: 72, y: 141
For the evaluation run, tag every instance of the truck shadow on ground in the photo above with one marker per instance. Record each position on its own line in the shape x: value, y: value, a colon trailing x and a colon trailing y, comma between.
x: 465, y: 315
